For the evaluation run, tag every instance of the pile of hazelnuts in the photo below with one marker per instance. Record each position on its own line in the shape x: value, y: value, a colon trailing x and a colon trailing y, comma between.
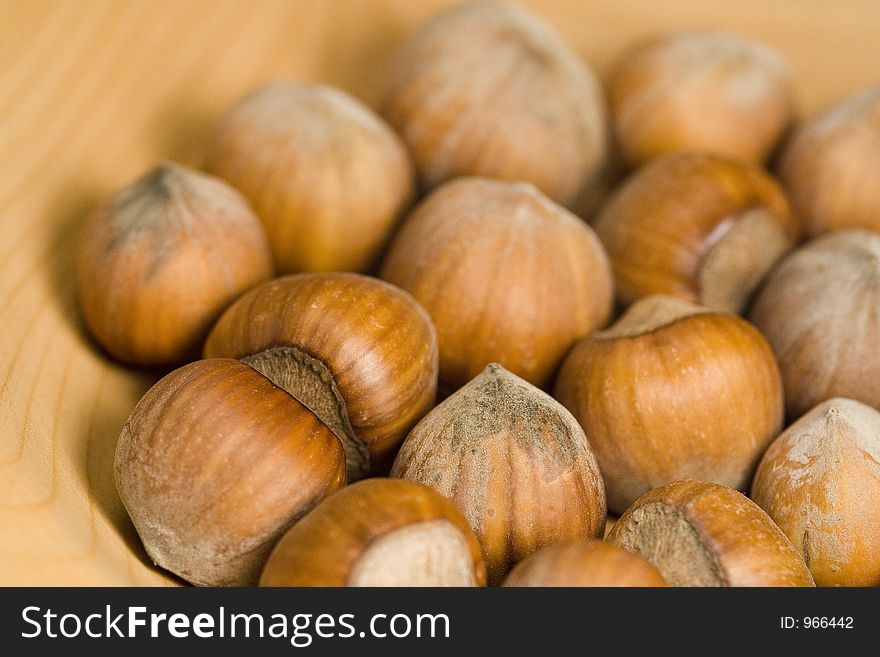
x: 371, y: 315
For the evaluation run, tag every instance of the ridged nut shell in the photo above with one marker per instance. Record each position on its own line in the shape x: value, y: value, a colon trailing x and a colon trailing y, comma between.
x: 507, y: 276
x: 378, y: 532
x: 703, y: 534
x: 358, y: 351
x: 696, y: 226
x: 514, y: 461
x: 213, y: 466
x: 162, y: 258
x: 487, y: 89
x: 673, y: 391
x: 702, y: 92
x: 820, y: 482
x: 584, y: 563
x: 831, y: 167
x: 327, y: 176
x: 820, y: 311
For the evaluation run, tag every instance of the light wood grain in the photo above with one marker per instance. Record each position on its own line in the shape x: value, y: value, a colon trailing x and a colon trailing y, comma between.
x: 92, y: 92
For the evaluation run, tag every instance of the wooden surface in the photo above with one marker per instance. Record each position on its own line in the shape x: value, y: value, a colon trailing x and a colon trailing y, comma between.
x: 92, y: 92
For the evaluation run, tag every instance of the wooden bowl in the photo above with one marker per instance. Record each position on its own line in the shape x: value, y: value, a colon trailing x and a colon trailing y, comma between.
x: 93, y: 92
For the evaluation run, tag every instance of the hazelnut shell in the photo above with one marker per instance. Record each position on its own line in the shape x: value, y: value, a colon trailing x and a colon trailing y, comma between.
x: 820, y: 482
x: 487, y: 89
x: 378, y: 532
x: 673, y: 391
x: 698, y: 533
x: 696, y: 226
x: 514, y: 461
x: 700, y: 91
x: 328, y: 178
x: 585, y: 562
x: 507, y: 276
x: 215, y: 463
x: 818, y: 310
x: 360, y: 352
x: 162, y: 258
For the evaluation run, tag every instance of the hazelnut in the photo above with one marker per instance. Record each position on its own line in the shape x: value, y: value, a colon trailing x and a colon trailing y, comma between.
x: 215, y: 463
x: 507, y: 275
x: 820, y: 482
x: 673, y: 391
x: 696, y: 226
x: 160, y: 259
x: 514, y: 461
x: 703, y: 92
x: 702, y: 534
x: 327, y: 177
x: 487, y: 89
x: 584, y: 562
x: 832, y: 167
x: 818, y: 310
x: 378, y: 532
x: 359, y: 352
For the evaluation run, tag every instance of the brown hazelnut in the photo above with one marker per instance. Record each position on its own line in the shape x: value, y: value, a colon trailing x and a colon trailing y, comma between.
x: 584, y: 562
x: 702, y: 534
x: 673, y: 391
x: 514, y: 461
x: 818, y: 310
x: 703, y: 92
x: 820, y: 482
x: 360, y: 352
x: 327, y: 177
x: 215, y: 463
x: 160, y: 259
x: 696, y: 226
x: 507, y: 275
x: 487, y: 89
x: 831, y: 167
x: 378, y: 532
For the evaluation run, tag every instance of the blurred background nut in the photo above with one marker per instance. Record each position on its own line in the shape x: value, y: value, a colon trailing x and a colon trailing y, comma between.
x: 819, y: 312
x: 215, y: 463
x: 673, y: 391
x: 703, y: 534
x: 487, y: 89
x: 820, y: 482
x: 327, y: 177
x: 700, y: 91
x: 507, y: 275
x: 584, y: 562
x: 378, y: 532
x: 831, y: 168
x: 359, y: 352
x: 697, y: 226
x: 514, y: 461
x: 162, y: 258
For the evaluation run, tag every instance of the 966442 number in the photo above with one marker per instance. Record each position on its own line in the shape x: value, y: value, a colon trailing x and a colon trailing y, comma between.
x: 817, y: 622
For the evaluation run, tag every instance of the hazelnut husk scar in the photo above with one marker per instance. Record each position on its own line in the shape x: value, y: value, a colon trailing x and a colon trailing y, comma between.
x: 360, y: 352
